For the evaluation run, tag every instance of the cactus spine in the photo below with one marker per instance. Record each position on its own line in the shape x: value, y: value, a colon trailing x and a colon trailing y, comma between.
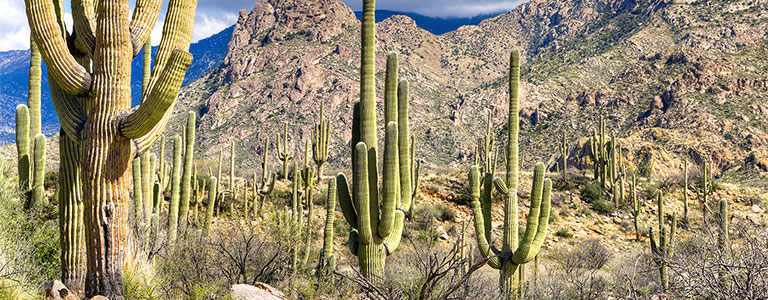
x: 663, y: 249
x: 377, y: 231
x: 327, y: 262
x: 283, y: 152
x: 320, y: 142
x: 186, y: 181
x: 212, y: 194
x: 22, y: 150
x: 565, y: 152
x: 514, y: 253
x: 173, y: 214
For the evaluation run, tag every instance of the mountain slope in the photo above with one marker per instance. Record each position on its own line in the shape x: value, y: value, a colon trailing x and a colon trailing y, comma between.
x: 435, y: 26
x: 660, y: 71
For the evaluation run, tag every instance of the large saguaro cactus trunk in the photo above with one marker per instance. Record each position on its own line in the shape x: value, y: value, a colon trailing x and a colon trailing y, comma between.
x: 94, y: 107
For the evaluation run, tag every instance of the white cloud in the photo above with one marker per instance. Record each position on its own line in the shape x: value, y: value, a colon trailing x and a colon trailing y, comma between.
x: 14, y: 31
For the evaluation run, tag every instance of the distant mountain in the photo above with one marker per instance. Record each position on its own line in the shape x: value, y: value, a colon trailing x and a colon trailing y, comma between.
x: 436, y: 26
x: 14, y: 73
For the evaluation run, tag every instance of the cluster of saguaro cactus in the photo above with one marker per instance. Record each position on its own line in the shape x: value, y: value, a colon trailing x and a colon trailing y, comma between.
x: 283, y: 151
x: 91, y: 74
x: 662, y: 250
x: 327, y: 262
x: 514, y: 252
x: 606, y: 156
x: 377, y: 227
x: 320, y: 140
x: 635, y: 205
x: 31, y: 160
x: 565, y: 151
x: 487, y: 152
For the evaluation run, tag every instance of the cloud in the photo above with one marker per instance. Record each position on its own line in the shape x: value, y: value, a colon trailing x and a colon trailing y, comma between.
x: 443, y: 8
x: 14, y: 31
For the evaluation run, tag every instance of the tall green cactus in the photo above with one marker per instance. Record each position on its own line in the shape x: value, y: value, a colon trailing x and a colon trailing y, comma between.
x: 723, y: 240
x: 487, y: 152
x: 232, y: 168
x: 173, y: 214
x: 705, y: 190
x: 635, y: 205
x: 22, y: 150
x: 34, y: 90
x: 38, y: 176
x: 283, y: 151
x: 662, y: 250
x: 513, y: 253
x: 186, y: 181
x: 212, y: 195
x: 162, y: 172
x: 327, y: 262
x: 377, y: 230
x: 565, y: 152
x: 320, y: 140
x: 268, y: 179
x: 685, y: 193
x: 308, y: 181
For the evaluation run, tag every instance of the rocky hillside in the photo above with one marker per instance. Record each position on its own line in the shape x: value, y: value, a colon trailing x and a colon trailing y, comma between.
x: 673, y: 78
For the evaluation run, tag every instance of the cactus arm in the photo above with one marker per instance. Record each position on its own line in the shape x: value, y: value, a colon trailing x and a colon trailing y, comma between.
x: 392, y: 241
x: 212, y: 185
x: 69, y: 111
x: 529, y: 249
x: 345, y: 201
x: 367, y: 125
x: 513, y: 121
x: 48, y: 35
x: 407, y: 172
x: 391, y: 180
x: 143, y: 20
x: 173, y: 214
x: 361, y: 198
x: 654, y: 247
x: 141, y: 121
x: 483, y: 240
x: 390, y: 89
x: 84, y: 24
x: 22, y: 146
x: 38, y: 176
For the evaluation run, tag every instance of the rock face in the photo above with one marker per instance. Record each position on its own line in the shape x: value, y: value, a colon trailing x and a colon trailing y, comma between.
x: 582, y: 58
x: 261, y: 291
x: 55, y: 290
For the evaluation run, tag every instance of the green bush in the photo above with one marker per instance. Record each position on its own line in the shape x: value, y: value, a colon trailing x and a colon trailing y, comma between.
x: 592, y: 191
x: 564, y: 233
x: 603, y: 207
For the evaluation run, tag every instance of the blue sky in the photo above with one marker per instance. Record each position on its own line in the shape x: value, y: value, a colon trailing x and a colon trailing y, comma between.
x: 215, y: 15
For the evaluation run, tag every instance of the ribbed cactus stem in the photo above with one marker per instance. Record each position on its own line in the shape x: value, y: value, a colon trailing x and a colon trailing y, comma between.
x: 685, y: 192
x: 723, y: 240
x: 320, y: 141
x: 283, y: 152
x: 635, y: 206
x: 186, y: 181
x: 514, y: 253
x: 662, y: 250
x: 565, y: 152
x: 212, y: 195
x: 22, y: 151
x: 706, y: 189
x: 34, y: 90
x: 138, y: 196
x: 173, y: 214
x: 71, y: 231
x: 38, y: 176
x: 327, y: 262
x: 162, y: 175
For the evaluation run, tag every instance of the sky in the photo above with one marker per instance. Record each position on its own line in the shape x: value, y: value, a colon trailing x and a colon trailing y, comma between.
x: 215, y: 15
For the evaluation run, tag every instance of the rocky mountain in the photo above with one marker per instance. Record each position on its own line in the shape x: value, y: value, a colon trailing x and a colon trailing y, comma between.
x: 14, y: 74
x: 434, y: 25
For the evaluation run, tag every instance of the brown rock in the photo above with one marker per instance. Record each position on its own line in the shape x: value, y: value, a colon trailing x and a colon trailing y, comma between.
x: 56, y: 290
x: 260, y: 291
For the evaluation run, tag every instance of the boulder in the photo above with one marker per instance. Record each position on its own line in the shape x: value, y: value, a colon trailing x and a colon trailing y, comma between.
x: 56, y: 290
x: 260, y: 291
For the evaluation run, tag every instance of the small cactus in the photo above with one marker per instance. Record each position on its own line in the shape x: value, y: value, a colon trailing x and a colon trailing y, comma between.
x: 212, y: 195
x: 320, y: 141
x: 565, y: 152
x: 706, y: 189
x: 22, y: 150
x: 662, y: 250
x: 723, y: 240
x: 38, y: 176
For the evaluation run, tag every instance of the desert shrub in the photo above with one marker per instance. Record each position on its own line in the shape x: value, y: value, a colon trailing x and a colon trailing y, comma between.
x: 426, y: 212
x: 564, y: 233
x: 574, y: 273
x: 603, y: 207
x: 592, y: 191
x: 197, y: 277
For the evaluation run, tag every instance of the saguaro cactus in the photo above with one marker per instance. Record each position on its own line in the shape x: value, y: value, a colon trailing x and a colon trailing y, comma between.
x: 685, y: 193
x: 38, y: 174
x: 283, y: 151
x: 34, y: 89
x: 95, y: 107
x: 327, y: 262
x: 186, y: 181
x: 212, y: 194
x: 71, y: 234
x: 663, y: 249
x: 513, y: 253
x: 565, y: 152
x: 320, y: 142
x: 723, y: 240
x: 635, y: 205
x: 267, y: 178
x: 705, y: 190
x: 377, y: 231
x: 22, y: 150
x: 173, y: 214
